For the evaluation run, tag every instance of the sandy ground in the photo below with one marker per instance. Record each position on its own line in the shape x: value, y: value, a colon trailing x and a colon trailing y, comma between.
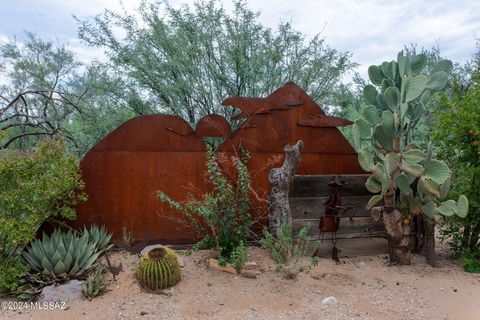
x: 366, y: 288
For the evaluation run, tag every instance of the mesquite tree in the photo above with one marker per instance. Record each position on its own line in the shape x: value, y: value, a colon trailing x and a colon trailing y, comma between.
x: 408, y: 180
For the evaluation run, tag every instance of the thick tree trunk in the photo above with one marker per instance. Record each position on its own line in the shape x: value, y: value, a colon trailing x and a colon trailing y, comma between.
x: 281, y: 179
x: 429, y: 240
x: 398, y: 232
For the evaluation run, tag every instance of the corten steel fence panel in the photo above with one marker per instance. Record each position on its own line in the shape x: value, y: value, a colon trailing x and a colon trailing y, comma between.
x: 160, y: 152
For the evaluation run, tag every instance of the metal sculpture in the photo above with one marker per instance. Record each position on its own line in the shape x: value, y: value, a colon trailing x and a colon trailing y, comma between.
x: 161, y: 152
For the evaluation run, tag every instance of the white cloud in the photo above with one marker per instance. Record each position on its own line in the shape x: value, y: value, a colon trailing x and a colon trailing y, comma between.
x: 372, y: 30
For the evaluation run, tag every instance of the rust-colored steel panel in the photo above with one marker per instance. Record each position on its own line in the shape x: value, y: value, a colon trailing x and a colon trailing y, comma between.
x: 213, y: 125
x: 160, y: 152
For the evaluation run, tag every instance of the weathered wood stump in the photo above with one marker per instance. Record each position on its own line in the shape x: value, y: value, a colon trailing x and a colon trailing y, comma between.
x: 281, y: 180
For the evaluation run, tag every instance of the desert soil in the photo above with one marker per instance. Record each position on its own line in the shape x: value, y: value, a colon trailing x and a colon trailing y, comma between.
x: 365, y: 287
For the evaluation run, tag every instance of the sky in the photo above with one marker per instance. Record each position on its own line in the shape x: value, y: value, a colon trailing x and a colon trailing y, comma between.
x: 371, y: 30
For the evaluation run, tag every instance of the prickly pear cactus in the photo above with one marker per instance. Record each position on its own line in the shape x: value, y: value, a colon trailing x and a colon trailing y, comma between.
x: 158, y: 269
x: 396, y: 102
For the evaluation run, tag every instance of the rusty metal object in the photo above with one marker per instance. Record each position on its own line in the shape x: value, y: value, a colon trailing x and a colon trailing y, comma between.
x: 323, y: 121
x: 213, y: 125
x: 161, y: 152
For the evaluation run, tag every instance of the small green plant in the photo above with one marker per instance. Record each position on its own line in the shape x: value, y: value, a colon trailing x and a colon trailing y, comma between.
x: 100, y: 237
x: 222, y: 217
x: 284, y: 250
x: 12, y: 271
x: 127, y: 237
x: 471, y: 260
x: 96, y: 282
x: 239, y: 257
x: 158, y: 269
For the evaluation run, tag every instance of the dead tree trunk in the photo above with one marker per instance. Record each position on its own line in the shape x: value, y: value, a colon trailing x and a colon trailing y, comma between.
x: 281, y: 179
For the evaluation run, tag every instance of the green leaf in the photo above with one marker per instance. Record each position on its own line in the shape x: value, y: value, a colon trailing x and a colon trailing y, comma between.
x: 364, y: 128
x: 415, y: 170
x: 392, y: 162
x: 365, y: 159
x: 415, y: 87
x: 437, y: 81
x: 373, y: 185
x: 375, y: 74
x: 370, y: 113
x: 418, y: 63
x: 462, y: 206
x: 392, y: 97
x: 414, y: 155
x: 447, y: 208
x: 403, y: 183
x: 437, y: 170
x: 374, y: 200
x: 388, y: 124
x: 429, y: 209
x: 442, y: 65
x: 370, y: 94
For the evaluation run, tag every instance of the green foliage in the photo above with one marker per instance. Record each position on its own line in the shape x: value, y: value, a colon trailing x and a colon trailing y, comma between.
x: 457, y: 138
x: 239, y: 256
x: 285, y: 251
x: 63, y: 256
x: 471, y: 260
x: 35, y: 187
x: 99, y: 236
x: 96, y: 283
x: 400, y: 91
x: 187, y: 61
x: 11, y: 272
x: 222, y: 217
x: 158, y: 269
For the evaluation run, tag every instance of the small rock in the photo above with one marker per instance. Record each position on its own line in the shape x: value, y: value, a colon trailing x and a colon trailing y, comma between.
x: 213, y: 264
x: 221, y: 303
x: 249, y: 274
x: 455, y: 290
x: 66, y: 308
x: 209, y: 284
x: 142, y: 313
x: 398, y: 283
x: 169, y: 292
x: 362, y: 264
x: 69, y: 291
x: 329, y: 300
x: 319, y: 291
x: 250, y: 265
x: 317, y: 276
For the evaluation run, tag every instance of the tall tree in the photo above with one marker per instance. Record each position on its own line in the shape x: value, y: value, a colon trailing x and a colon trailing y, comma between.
x: 186, y: 61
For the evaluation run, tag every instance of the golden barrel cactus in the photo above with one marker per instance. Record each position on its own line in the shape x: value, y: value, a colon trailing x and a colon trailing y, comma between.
x: 158, y: 269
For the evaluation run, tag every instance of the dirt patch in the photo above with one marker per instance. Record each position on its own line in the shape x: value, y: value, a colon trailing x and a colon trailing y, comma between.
x: 365, y: 287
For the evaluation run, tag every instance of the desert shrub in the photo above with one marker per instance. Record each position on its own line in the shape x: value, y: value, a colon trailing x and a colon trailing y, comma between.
x: 222, y: 216
x: 11, y: 272
x: 457, y: 138
x: 34, y: 187
x: 471, y: 260
x: 285, y: 250
x: 239, y: 256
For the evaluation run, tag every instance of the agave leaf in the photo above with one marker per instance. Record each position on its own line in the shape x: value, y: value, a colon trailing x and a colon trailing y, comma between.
x: 47, y: 266
x: 59, y: 268
x: 374, y: 200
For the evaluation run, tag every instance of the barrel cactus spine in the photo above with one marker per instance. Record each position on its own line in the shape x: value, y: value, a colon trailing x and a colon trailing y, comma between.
x: 158, y: 269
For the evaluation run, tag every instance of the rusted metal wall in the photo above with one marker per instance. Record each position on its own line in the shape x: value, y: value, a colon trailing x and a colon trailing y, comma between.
x: 160, y: 152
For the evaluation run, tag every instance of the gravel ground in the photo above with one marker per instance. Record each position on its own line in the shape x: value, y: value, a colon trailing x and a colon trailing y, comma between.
x: 365, y: 288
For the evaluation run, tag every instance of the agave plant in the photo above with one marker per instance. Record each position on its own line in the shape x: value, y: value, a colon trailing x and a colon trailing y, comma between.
x: 99, y: 236
x: 396, y: 102
x: 96, y: 283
